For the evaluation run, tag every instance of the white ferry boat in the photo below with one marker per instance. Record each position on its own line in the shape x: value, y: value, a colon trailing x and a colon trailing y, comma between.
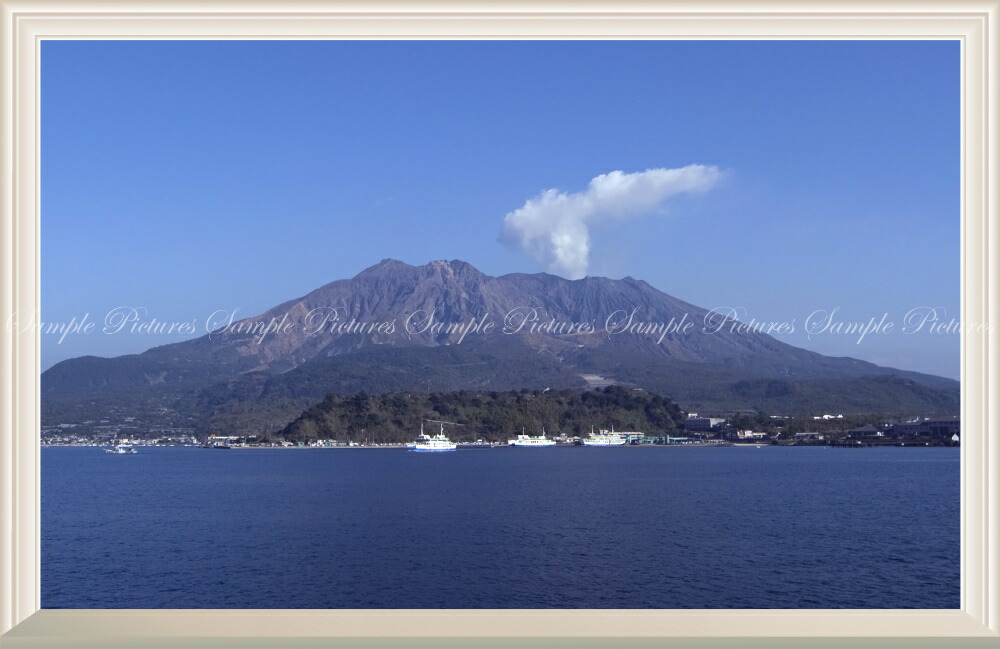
x: 121, y: 449
x: 528, y: 440
x: 604, y: 438
x: 439, y: 442
x: 422, y: 437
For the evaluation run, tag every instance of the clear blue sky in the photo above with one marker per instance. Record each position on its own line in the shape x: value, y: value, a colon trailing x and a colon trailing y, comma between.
x: 187, y: 177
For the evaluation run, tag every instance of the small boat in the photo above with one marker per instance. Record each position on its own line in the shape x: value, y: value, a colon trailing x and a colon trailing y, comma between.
x: 121, y: 449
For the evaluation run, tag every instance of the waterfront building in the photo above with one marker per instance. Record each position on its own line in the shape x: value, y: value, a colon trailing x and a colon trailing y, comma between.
x: 694, y: 422
x: 943, y: 428
x: 865, y: 432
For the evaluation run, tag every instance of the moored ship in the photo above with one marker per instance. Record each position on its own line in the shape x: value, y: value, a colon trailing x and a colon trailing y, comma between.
x: 604, y: 438
x: 531, y: 441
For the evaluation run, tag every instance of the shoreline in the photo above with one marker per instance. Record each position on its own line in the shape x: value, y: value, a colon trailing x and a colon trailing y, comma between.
x: 472, y: 448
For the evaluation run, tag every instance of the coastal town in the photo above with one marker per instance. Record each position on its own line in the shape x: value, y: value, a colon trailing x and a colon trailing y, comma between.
x: 737, y: 429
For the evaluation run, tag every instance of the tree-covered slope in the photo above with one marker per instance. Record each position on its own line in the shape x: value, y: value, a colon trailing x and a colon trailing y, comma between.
x: 493, y: 416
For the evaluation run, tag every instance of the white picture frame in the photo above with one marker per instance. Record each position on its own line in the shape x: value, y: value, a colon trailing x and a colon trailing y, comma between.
x: 25, y: 23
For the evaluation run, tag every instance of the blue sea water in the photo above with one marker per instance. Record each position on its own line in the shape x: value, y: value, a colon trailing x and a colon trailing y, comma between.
x: 501, y: 528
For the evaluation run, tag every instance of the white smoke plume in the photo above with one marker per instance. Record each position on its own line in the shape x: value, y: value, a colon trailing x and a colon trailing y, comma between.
x: 554, y: 227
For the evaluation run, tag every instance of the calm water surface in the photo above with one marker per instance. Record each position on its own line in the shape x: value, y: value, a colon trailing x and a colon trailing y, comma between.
x: 501, y: 528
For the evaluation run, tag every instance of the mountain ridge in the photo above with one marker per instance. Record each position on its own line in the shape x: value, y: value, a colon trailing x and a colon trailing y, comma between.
x: 204, y: 377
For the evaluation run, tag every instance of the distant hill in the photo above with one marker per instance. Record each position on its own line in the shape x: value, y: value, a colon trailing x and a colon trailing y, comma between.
x: 493, y: 416
x: 232, y: 379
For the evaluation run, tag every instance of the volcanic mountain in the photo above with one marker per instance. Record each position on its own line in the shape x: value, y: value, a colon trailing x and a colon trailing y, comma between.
x: 446, y: 326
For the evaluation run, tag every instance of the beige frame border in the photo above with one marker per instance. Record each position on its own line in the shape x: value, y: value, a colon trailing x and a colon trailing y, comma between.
x: 23, y: 23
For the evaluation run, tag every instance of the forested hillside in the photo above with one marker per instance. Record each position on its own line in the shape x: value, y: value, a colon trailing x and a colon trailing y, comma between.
x: 493, y: 416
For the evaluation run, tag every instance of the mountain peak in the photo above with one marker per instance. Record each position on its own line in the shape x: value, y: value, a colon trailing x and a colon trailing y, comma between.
x: 385, y: 264
x: 454, y: 266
